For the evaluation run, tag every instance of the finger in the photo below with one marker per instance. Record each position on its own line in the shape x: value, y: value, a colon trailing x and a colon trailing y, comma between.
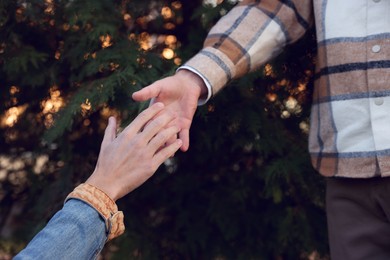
x: 157, y: 115
x: 155, y: 126
x: 110, y: 132
x: 171, y: 140
x: 151, y: 91
x: 162, y: 137
x: 143, y: 118
x: 166, y: 152
x: 184, y: 135
x: 173, y: 122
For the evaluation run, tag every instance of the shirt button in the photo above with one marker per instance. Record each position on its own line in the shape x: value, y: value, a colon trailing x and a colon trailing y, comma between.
x: 379, y: 101
x: 376, y: 48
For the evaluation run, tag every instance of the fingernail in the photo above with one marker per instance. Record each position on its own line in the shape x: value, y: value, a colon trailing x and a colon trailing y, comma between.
x: 159, y: 105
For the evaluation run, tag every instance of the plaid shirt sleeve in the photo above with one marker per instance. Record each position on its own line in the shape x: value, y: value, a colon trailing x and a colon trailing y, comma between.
x: 251, y: 34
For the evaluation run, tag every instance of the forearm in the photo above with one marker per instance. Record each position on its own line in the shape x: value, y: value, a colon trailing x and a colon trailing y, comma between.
x: 79, y: 230
x: 90, y: 216
x: 251, y: 34
x: 75, y: 232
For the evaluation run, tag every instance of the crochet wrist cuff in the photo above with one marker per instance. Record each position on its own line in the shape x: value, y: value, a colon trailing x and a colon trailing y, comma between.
x: 104, y: 205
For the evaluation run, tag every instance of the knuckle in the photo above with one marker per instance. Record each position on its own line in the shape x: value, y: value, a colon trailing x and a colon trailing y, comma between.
x: 143, y: 115
x: 157, y: 123
x: 162, y: 136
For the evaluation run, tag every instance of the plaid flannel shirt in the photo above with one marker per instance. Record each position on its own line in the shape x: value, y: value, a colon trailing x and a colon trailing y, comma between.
x: 350, y: 117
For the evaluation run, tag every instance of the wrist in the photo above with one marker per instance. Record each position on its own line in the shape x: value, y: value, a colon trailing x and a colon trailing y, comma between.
x: 196, y: 80
x: 103, y: 204
x: 104, y: 186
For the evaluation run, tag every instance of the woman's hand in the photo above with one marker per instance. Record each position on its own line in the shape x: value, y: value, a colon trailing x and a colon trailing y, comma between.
x: 126, y: 161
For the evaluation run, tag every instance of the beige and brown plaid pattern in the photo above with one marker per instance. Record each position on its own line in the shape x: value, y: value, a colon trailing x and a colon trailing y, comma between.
x: 350, y: 122
x: 104, y: 205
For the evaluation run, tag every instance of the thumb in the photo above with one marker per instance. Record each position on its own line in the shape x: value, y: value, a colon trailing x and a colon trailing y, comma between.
x: 149, y: 92
x: 110, y: 132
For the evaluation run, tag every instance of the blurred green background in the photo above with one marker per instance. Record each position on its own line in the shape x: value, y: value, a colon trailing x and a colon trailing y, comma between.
x: 244, y: 190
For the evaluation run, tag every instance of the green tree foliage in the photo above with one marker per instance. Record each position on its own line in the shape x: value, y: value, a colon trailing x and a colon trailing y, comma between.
x: 244, y: 190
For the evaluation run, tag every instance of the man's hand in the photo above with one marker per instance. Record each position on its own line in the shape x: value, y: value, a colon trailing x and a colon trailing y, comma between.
x: 179, y: 94
x: 128, y: 160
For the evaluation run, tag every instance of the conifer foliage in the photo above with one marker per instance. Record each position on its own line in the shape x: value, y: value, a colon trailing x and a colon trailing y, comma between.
x: 244, y: 190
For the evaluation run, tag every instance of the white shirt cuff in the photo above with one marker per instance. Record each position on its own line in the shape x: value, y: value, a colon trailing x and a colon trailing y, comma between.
x: 201, y: 101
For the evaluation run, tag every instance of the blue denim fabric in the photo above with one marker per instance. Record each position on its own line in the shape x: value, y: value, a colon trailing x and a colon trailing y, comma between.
x: 75, y: 232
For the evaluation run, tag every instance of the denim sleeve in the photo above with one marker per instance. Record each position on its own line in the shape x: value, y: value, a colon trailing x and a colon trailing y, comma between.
x: 75, y: 232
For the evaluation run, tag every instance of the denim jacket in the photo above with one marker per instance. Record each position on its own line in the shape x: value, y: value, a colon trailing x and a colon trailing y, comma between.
x: 77, y: 231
